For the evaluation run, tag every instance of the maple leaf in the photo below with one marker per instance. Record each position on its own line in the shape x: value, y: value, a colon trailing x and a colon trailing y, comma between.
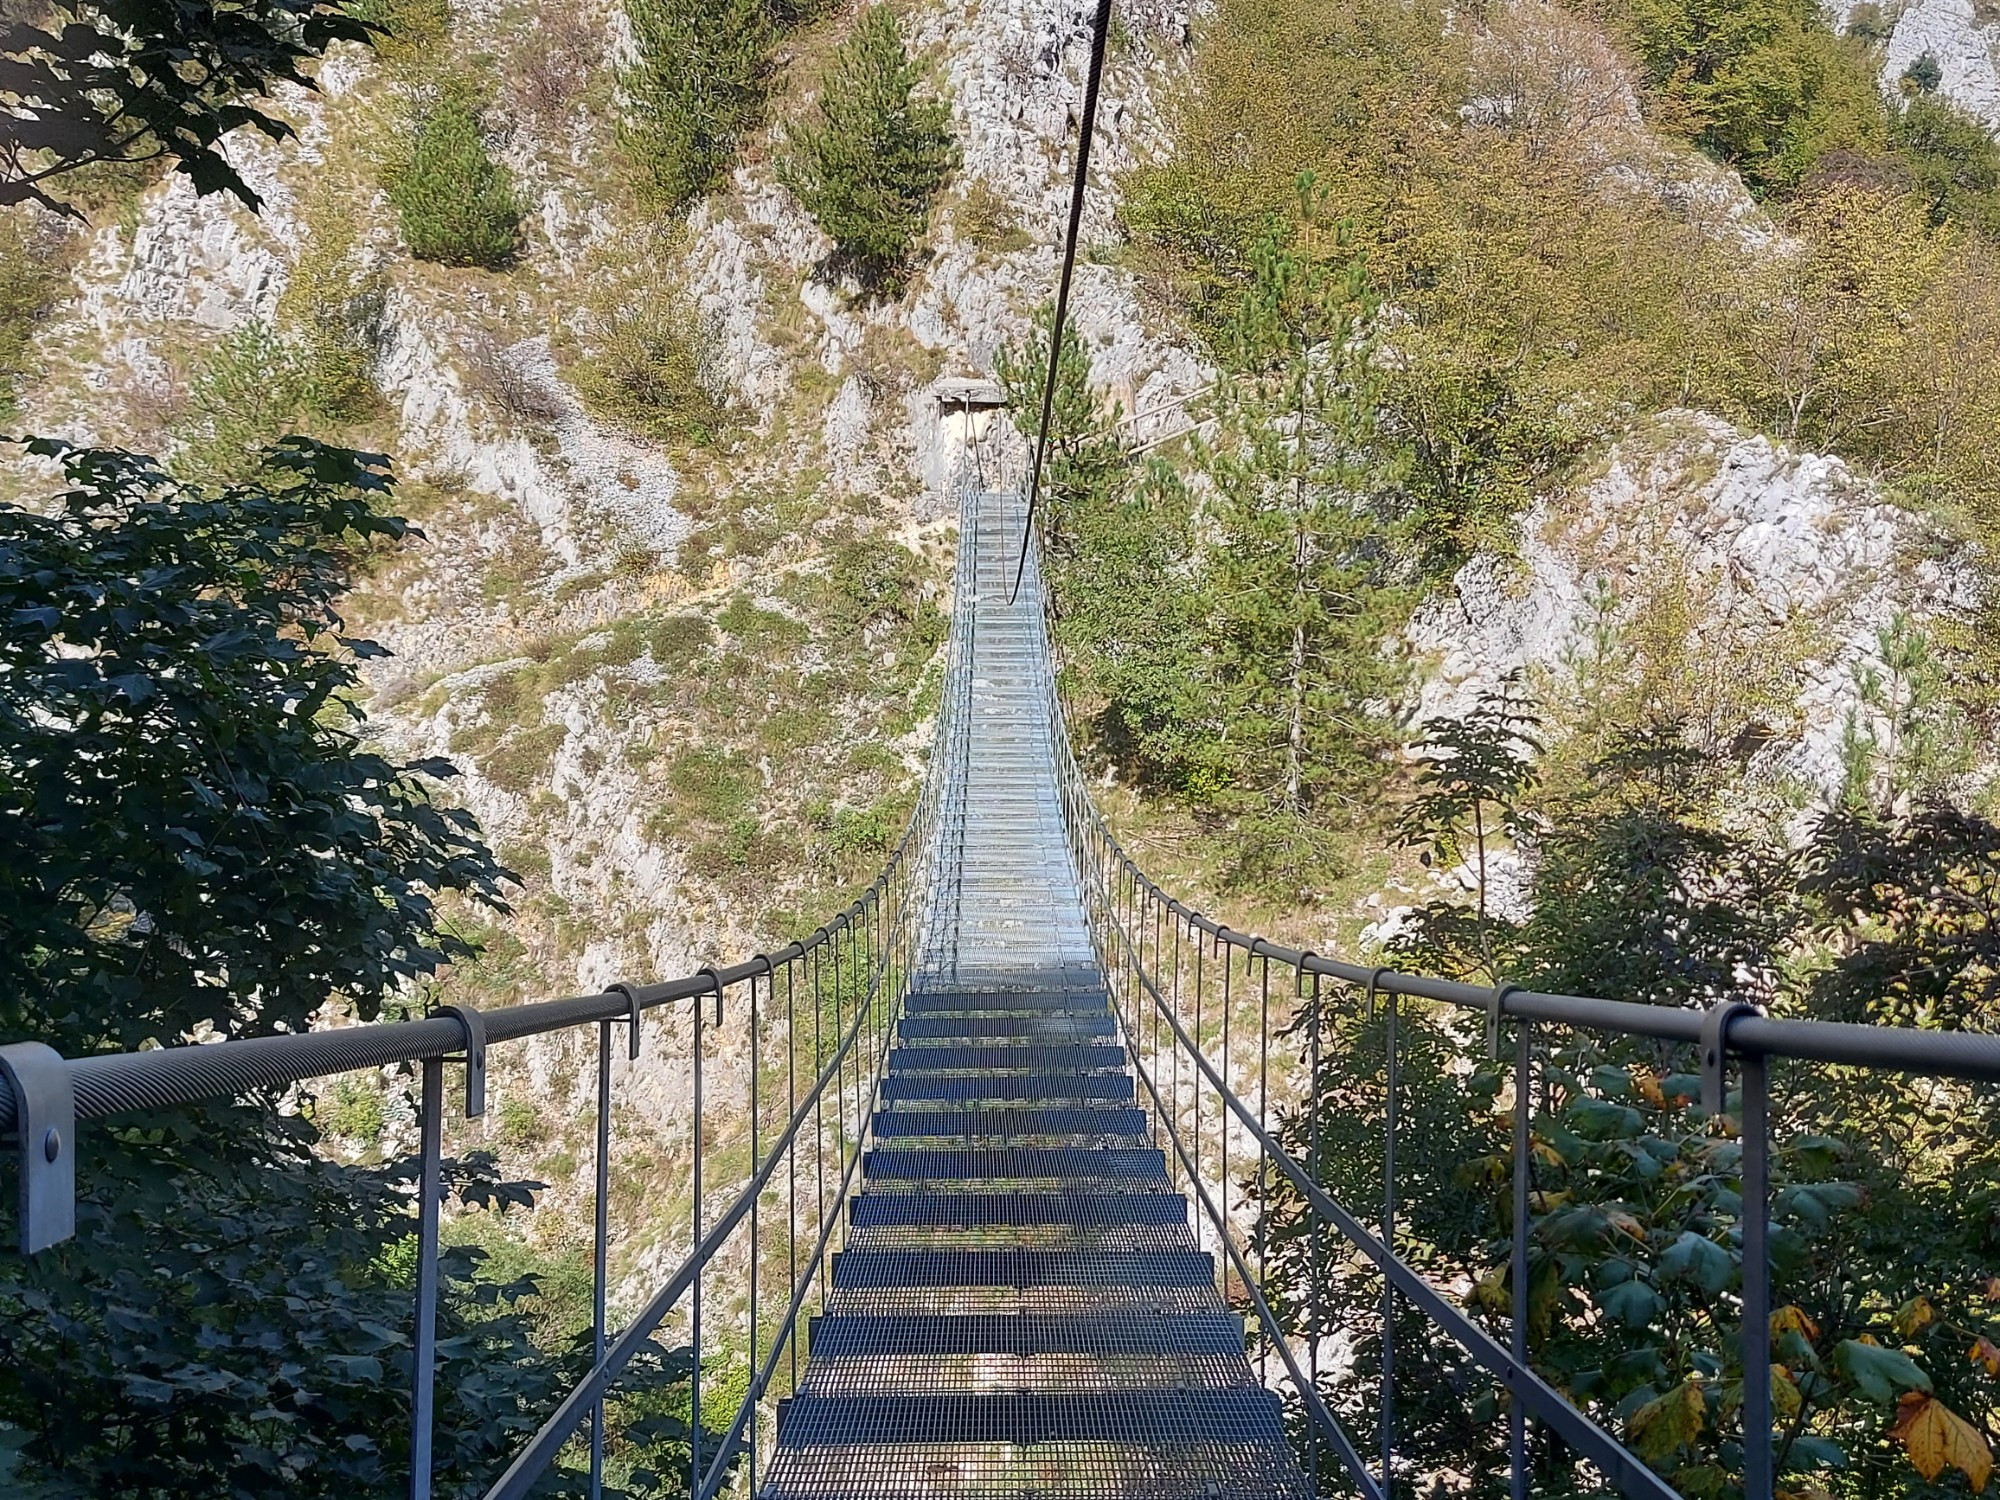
x: 1912, y: 1315
x: 1985, y: 1352
x: 1793, y: 1319
x: 1935, y: 1436
x: 1993, y: 1289
x: 1647, y: 1082
x: 1668, y: 1422
x: 1804, y: 1492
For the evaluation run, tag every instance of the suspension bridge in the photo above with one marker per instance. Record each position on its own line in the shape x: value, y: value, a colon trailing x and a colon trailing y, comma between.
x: 1021, y: 1307
x: 991, y: 1243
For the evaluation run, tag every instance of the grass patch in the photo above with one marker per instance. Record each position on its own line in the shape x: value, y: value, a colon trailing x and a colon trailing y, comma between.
x: 522, y: 759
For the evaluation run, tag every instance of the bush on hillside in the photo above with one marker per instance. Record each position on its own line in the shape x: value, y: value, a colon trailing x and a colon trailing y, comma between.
x: 697, y: 85
x: 333, y: 306
x: 1954, y: 161
x: 869, y: 162
x: 408, y: 30
x: 650, y: 364
x: 248, y: 391
x: 456, y: 205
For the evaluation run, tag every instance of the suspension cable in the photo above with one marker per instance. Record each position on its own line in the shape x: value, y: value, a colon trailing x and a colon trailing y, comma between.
x: 1100, y: 31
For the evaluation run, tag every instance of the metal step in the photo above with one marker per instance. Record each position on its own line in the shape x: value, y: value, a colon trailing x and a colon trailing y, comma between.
x: 1025, y: 1418
x: 904, y: 1088
x: 1039, y: 1025
x: 979, y: 1124
x: 1086, y: 1163
x: 1023, y: 1334
x: 1022, y: 1268
x: 1078, y: 1058
x: 1027, y: 1210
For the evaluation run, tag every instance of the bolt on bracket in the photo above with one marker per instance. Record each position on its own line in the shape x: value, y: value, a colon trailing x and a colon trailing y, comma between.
x: 45, y: 1129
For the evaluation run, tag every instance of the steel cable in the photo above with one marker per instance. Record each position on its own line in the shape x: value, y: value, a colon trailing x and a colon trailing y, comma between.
x: 1100, y: 31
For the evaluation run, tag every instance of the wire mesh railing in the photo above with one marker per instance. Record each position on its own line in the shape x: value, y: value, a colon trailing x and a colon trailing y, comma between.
x: 818, y: 1015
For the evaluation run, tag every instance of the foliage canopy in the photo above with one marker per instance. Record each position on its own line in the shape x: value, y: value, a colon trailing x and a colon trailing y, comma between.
x: 105, y: 82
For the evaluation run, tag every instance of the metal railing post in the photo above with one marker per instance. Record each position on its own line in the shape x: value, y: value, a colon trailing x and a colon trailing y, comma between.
x: 1390, y: 1082
x: 1758, y: 1478
x: 45, y: 1137
x: 423, y: 1345
x: 600, y: 1239
x: 1517, y: 1411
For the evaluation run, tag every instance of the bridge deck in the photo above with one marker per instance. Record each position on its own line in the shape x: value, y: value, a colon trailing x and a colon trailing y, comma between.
x: 1021, y: 1308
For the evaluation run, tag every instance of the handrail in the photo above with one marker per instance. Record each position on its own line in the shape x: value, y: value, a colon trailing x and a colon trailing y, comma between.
x: 1974, y: 1056
x: 42, y: 1094
x: 159, y: 1077
x: 1728, y: 1031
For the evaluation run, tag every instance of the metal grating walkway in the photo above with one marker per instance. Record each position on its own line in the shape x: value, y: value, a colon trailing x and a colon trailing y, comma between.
x: 1021, y: 1308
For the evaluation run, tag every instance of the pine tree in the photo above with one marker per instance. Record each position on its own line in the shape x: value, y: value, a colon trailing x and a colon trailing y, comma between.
x: 1303, y: 576
x: 875, y: 156
x: 697, y: 87
x: 456, y: 205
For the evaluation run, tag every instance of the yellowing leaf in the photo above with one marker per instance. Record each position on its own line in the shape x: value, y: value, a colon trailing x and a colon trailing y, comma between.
x: 1912, y: 1315
x: 1785, y: 1398
x: 1625, y: 1223
x: 1985, y: 1352
x: 1935, y: 1436
x: 1792, y: 1318
x: 1647, y: 1082
x: 1668, y: 1422
x: 1490, y: 1291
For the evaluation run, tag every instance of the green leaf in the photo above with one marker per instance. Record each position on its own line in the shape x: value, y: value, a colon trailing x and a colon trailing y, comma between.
x: 1600, y: 1119
x: 1632, y: 1303
x: 1693, y: 1257
x: 1879, y: 1373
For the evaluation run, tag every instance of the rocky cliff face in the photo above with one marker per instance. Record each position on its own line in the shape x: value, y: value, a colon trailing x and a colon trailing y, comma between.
x: 1964, y: 37
x: 587, y: 615
x: 1775, y: 570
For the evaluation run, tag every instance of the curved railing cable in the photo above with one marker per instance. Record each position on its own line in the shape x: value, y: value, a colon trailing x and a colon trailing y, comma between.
x: 869, y: 949
x: 1146, y: 986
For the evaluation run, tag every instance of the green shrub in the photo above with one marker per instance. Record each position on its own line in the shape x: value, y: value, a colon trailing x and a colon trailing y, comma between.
x: 352, y: 1110
x: 697, y: 85
x: 761, y: 631
x: 410, y: 29
x: 1955, y: 162
x: 856, y: 833
x: 249, y: 390
x: 731, y: 852
x: 712, y: 785
x: 333, y: 308
x: 872, y: 158
x: 987, y: 219
x: 650, y: 364
x: 522, y: 759
x: 456, y: 205
x: 521, y: 1123
x: 678, y: 639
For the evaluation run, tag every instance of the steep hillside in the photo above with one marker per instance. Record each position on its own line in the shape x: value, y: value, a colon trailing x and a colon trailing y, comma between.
x: 687, y: 488
x: 687, y: 497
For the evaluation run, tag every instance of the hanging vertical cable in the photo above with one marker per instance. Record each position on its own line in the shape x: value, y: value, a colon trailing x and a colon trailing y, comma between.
x: 1100, y: 31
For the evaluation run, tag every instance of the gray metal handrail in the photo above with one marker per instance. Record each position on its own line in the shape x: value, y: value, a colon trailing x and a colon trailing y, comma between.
x: 1731, y: 1033
x: 43, y: 1095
